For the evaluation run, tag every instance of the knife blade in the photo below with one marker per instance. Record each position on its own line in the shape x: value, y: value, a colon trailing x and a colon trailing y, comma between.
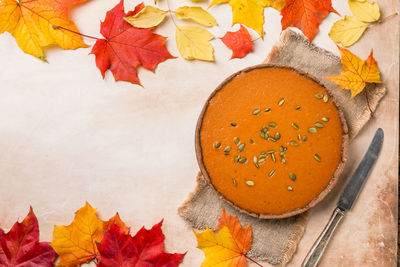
x: 346, y: 200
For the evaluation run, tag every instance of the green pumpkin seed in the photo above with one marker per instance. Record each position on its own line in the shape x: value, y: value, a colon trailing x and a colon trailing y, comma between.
x: 256, y: 111
x: 312, y: 130
x: 272, y: 139
x: 319, y: 96
x: 236, y: 159
x: 271, y: 173
x: 304, y: 138
x: 273, y: 157
x: 262, y: 134
x: 326, y: 98
x: 241, y: 147
x: 234, y: 124
x: 236, y: 140
x: 299, y: 137
x: 242, y: 160
x: 271, y: 151
x: 234, y: 181
x: 319, y: 125
x: 289, y: 188
x: 267, y: 110
x: 251, y: 141
x: 297, y: 108
x: 226, y: 150
x: 263, y: 156
x: 217, y: 144
x: 250, y: 183
x: 281, y: 148
x: 317, y: 157
x: 265, y: 129
x: 294, y: 125
x: 255, y: 159
x: 283, y: 160
x: 292, y: 176
x: 272, y: 124
x: 325, y: 119
x: 293, y: 143
x: 280, y: 103
x: 261, y: 160
x: 277, y: 136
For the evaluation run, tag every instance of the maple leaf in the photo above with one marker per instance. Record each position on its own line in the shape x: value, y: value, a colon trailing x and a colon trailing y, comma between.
x: 356, y: 72
x: 125, y: 48
x: 239, y: 41
x: 144, y: 249
x: 76, y: 243
x: 306, y: 15
x: 36, y: 24
x: 116, y: 220
x: 20, y: 247
x: 228, y: 245
x: 250, y: 12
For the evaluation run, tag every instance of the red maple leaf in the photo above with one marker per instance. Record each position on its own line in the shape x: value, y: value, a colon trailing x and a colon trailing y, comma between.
x: 20, y: 247
x: 306, y: 15
x: 125, y: 47
x: 144, y: 249
x: 239, y: 42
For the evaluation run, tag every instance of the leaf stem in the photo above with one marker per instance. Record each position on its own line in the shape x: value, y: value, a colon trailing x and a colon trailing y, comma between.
x: 170, y: 14
x: 387, y: 17
x: 250, y: 259
x: 256, y: 39
x: 78, y: 33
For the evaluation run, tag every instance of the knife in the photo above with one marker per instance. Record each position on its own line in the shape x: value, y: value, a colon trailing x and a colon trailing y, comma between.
x: 346, y: 200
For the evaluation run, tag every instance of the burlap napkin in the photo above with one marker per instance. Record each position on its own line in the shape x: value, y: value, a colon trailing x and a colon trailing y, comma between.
x: 275, y: 241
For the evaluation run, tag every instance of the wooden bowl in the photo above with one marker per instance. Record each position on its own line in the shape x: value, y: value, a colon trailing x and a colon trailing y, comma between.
x: 200, y: 148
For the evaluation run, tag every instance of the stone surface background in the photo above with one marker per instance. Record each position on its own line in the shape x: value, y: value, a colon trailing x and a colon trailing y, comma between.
x: 67, y: 136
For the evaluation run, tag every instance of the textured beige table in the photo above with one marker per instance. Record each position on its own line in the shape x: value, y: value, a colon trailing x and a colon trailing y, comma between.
x: 67, y: 136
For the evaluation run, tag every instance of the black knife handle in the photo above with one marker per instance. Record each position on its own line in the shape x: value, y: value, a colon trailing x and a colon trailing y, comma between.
x: 315, y: 254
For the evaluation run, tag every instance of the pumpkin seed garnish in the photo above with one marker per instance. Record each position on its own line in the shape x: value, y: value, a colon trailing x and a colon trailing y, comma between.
x: 217, y: 144
x: 236, y: 140
x: 297, y: 108
x: 326, y: 98
x: 319, y: 125
x: 242, y: 160
x: 226, y: 150
x: 282, y: 154
x: 292, y: 176
x: 251, y: 141
x: 262, y: 134
x: 236, y: 159
x: 319, y: 96
x: 281, y: 148
x: 294, y: 125
x: 289, y: 188
x: 280, y: 103
x: 263, y: 155
x: 241, y: 147
x: 234, y: 124
x: 265, y: 129
x: 304, y: 138
x: 250, y: 183
x: 272, y: 124
x: 261, y: 160
x: 256, y: 111
x: 293, y: 143
x: 317, y: 157
x: 234, y: 181
x: 267, y: 110
x: 272, y: 139
x: 273, y: 157
x: 312, y: 130
x: 271, y: 173
x: 283, y: 160
x: 255, y: 160
x: 270, y: 151
x: 277, y: 136
x: 299, y: 137
x: 325, y: 119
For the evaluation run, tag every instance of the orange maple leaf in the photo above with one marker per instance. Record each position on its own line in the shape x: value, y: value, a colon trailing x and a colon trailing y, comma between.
x: 356, y: 72
x: 39, y: 23
x: 228, y: 245
x: 306, y: 15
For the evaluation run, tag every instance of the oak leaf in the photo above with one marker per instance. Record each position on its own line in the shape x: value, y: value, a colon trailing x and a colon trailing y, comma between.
x: 125, y: 48
x: 144, y: 249
x: 239, y: 41
x: 306, y: 15
x: 148, y: 17
x: 20, y: 247
x: 364, y: 10
x: 228, y: 245
x: 196, y: 14
x: 250, y: 12
x: 194, y: 43
x: 40, y: 23
x: 356, y: 72
x: 76, y: 243
x: 347, y: 31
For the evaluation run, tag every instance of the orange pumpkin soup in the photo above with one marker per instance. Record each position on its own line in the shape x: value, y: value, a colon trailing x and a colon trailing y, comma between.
x: 270, y: 139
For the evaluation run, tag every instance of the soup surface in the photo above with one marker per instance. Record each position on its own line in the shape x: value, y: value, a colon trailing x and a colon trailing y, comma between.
x: 271, y: 140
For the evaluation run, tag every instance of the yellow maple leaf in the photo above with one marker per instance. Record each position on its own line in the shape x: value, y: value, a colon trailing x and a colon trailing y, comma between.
x: 194, y: 43
x: 40, y: 23
x: 228, y: 245
x: 356, y: 72
x: 148, y: 17
x: 196, y: 14
x: 76, y: 243
x: 250, y: 12
x: 364, y: 10
x: 347, y: 31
